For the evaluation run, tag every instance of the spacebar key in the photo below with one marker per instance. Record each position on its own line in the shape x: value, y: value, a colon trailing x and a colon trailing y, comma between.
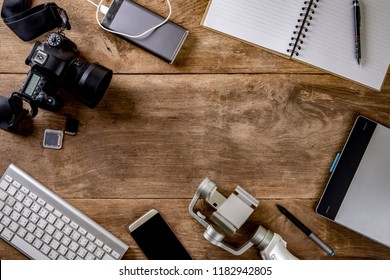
x: 27, y: 249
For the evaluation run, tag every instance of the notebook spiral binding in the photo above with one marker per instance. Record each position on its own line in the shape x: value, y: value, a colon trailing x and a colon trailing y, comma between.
x: 306, y: 16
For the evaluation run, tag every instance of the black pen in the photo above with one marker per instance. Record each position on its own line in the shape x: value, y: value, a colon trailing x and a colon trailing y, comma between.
x: 306, y: 230
x: 356, y: 16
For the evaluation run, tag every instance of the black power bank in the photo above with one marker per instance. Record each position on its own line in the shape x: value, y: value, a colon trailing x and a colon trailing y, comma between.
x: 128, y: 17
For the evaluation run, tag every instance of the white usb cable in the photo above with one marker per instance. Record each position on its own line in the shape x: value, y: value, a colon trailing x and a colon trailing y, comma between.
x: 100, y: 8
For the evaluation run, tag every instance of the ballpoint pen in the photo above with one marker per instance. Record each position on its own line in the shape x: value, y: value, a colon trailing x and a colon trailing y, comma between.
x: 306, y: 230
x: 356, y: 16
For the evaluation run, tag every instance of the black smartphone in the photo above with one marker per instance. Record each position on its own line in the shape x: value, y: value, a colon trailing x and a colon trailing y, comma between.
x: 156, y: 239
x: 128, y: 17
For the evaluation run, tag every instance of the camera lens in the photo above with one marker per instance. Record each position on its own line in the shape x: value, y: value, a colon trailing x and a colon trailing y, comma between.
x: 89, y: 82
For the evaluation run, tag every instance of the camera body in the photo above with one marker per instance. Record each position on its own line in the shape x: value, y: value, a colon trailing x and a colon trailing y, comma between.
x: 56, y: 64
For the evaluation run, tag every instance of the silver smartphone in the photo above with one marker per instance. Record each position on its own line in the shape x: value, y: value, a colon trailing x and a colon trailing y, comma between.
x: 130, y: 18
x: 156, y: 239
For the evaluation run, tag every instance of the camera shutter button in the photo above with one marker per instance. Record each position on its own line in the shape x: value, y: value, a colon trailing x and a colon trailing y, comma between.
x: 50, y: 100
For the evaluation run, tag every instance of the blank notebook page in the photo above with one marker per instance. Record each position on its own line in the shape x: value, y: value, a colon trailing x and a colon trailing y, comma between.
x: 269, y: 24
x: 329, y: 42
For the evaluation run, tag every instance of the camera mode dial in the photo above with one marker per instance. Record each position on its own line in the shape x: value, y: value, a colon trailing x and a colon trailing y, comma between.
x: 54, y: 40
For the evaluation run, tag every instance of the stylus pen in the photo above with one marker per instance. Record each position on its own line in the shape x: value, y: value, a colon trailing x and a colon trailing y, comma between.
x: 306, y: 230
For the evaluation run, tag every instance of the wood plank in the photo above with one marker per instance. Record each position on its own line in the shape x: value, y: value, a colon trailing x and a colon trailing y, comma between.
x: 116, y: 214
x: 152, y: 134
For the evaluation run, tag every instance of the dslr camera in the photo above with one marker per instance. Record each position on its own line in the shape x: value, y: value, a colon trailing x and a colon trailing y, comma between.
x: 56, y: 64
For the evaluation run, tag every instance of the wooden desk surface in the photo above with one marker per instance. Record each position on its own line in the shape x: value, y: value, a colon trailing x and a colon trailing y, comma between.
x: 225, y: 110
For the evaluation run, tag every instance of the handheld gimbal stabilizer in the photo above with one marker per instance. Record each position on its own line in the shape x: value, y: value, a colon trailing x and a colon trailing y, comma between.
x: 231, y: 213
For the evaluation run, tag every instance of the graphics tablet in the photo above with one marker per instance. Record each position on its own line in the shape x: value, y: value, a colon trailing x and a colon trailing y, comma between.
x: 357, y: 194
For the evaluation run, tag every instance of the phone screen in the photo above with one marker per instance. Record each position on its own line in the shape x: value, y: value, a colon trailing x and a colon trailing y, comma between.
x: 156, y: 239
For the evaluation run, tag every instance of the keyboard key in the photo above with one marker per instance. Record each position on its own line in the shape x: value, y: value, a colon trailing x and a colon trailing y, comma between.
x: 27, y: 248
x: 16, y: 184
x: 67, y: 230
x: 65, y: 219
x: 59, y: 224
x: 107, y: 249
x: 58, y: 235
x: 50, y: 229
x: 10, y: 201
x: 21, y: 232
x: 99, y: 253
x: 51, y: 218
x: 31, y: 227
x: 3, y: 195
x: 13, y: 226
x: 53, y: 255
x: 107, y: 257
x: 24, y: 190
x: 70, y: 255
x: 83, y: 241
x: 99, y: 242
x: 74, y: 246
x: 45, y: 249
x: 26, y: 212
x: 18, y: 207
x: 46, y: 238
x: 33, y: 196
x: 42, y: 223
x: 11, y: 190
x: 54, y: 244
x: 82, y: 252
x: 34, y: 218
x: 74, y: 225
x: 4, y: 185
x: 35, y: 207
x: 37, y: 243
x: 15, y: 216
x: 23, y: 221
x: 90, y: 237
x: 75, y: 235
x: 27, y: 201
x: 49, y: 207
x: 66, y: 240
x: 57, y: 213
x: 43, y: 213
x: 6, y: 221
x: 82, y: 231
x: 115, y: 255
x: 29, y: 237
x: 7, y: 210
x: 7, y: 234
x: 89, y: 256
x: 41, y: 201
x: 62, y: 250
x: 8, y: 178
x: 91, y: 247
x: 19, y: 196
x: 38, y: 233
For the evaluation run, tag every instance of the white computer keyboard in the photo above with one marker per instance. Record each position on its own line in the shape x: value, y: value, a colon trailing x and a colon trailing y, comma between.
x: 42, y: 225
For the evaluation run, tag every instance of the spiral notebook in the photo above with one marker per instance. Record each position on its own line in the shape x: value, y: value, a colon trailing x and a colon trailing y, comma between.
x: 317, y: 32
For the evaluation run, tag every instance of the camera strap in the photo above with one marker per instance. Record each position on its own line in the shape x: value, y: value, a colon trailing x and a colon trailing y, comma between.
x: 29, y: 23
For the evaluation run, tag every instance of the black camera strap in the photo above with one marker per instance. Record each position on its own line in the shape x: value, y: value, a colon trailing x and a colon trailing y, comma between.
x: 29, y: 23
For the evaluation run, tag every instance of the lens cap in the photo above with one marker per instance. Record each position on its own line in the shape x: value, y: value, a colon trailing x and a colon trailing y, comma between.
x: 5, y: 113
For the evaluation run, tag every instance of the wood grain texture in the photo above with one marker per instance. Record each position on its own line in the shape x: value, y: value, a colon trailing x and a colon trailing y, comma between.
x: 226, y: 110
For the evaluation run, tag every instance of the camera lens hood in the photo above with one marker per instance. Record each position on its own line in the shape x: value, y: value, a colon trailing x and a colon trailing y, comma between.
x: 93, y: 84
